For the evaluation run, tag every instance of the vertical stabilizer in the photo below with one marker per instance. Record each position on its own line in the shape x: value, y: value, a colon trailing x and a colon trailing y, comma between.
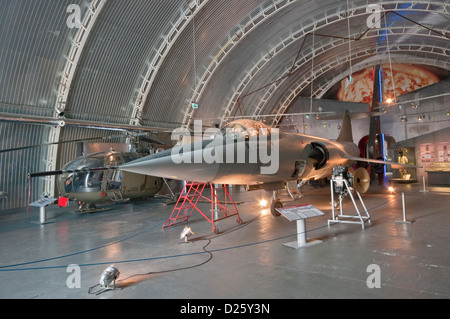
x: 346, y: 134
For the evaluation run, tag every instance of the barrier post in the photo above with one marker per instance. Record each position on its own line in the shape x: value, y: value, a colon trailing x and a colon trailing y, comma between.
x: 404, y: 221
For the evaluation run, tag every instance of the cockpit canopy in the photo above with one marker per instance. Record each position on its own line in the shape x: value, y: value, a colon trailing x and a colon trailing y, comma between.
x: 102, y: 159
x: 92, y: 181
x: 244, y: 128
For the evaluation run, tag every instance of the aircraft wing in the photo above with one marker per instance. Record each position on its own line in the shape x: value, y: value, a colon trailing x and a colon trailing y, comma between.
x: 369, y: 160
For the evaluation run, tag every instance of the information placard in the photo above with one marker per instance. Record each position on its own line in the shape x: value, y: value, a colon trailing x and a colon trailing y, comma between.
x: 45, y: 201
x: 293, y: 213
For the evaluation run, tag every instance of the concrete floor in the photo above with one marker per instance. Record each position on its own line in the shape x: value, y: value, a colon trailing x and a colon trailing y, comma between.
x: 242, y: 261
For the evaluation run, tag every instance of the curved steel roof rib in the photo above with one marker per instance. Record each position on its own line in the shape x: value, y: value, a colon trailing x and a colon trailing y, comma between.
x: 299, y: 85
x: 261, y: 75
x: 65, y: 84
x: 141, y: 63
x: 157, y: 59
x: 172, y: 88
x: 253, y: 21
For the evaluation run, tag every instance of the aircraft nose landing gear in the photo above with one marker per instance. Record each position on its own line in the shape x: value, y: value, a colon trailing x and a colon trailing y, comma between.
x: 275, y: 203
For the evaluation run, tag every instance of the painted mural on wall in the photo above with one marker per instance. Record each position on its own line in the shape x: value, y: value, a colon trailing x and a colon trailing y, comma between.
x: 404, y: 78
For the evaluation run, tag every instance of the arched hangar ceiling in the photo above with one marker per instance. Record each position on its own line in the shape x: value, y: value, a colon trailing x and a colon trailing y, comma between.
x: 142, y: 62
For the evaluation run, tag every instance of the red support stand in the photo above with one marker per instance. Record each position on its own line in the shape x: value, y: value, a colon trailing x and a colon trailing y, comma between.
x: 189, y: 198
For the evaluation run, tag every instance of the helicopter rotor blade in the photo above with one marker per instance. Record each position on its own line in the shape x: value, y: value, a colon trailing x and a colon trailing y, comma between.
x: 82, y: 170
x: 141, y: 136
x: 61, y: 142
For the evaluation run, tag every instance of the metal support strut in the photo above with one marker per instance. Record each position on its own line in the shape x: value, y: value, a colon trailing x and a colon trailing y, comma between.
x: 362, y: 219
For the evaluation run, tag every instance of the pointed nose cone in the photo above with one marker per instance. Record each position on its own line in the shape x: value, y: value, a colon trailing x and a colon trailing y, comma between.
x: 169, y: 164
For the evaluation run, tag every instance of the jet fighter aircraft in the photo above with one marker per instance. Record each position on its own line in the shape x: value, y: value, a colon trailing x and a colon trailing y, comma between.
x: 248, y: 152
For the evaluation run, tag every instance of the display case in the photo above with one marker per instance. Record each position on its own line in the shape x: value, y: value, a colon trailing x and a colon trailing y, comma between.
x: 404, y: 155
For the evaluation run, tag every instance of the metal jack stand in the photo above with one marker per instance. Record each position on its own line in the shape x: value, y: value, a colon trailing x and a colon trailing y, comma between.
x: 362, y: 219
x: 188, y: 202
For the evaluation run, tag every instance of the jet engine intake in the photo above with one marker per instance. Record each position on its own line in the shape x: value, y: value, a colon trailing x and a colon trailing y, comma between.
x: 319, y: 155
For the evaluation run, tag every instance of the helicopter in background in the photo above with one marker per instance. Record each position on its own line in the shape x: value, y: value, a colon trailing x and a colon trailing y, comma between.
x: 94, y: 178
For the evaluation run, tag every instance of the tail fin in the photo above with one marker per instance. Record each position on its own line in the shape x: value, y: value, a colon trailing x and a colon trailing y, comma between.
x: 346, y: 134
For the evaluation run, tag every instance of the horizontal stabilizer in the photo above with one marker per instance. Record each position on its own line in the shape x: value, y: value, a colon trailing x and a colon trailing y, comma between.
x: 369, y: 160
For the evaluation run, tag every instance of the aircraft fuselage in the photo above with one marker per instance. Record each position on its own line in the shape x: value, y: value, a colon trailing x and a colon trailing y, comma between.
x: 277, y: 157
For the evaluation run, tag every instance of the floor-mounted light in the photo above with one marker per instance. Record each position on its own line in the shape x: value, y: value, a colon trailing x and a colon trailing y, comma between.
x: 263, y: 203
x: 109, y: 276
x: 186, y: 233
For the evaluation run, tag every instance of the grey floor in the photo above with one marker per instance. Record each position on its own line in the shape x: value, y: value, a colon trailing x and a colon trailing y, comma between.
x: 243, y: 261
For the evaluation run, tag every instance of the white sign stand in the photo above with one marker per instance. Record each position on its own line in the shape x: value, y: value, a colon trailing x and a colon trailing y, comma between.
x: 42, y: 204
x: 300, y: 214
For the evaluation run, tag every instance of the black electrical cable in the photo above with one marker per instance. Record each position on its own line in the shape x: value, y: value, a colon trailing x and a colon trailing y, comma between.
x: 156, y: 272
x: 196, y: 253
x: 84, y: 251
x: 176, y: 269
